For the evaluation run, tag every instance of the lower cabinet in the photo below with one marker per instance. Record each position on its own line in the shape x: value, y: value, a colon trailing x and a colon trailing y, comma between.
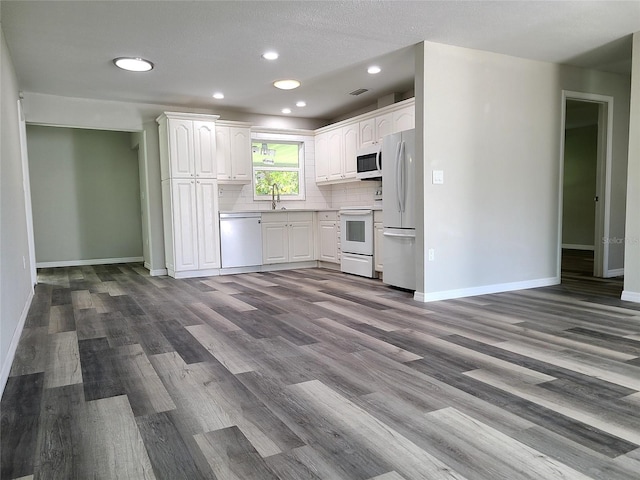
x: 190, y: 209
x: 287, y: 237
x: 328, y: 237
x: 378, y: 231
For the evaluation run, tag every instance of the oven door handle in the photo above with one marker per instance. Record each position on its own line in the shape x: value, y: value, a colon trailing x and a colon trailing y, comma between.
x: 355, y: 212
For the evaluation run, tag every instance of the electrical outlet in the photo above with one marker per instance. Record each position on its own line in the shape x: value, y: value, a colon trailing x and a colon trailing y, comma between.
x: 220, y: 192
x: 432, y: 254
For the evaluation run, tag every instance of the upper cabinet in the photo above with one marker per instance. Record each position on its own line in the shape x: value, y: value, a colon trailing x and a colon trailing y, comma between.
x: 233, y: 152
x: 321, y: 157
x: 403, y: 119
x: 187, y: 145
x: 336, y: 145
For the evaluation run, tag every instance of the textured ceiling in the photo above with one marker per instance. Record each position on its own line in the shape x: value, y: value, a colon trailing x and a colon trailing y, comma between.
x: 66, y: 48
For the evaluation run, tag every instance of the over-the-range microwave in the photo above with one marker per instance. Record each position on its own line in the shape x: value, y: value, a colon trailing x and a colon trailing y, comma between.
x: 369, y: 162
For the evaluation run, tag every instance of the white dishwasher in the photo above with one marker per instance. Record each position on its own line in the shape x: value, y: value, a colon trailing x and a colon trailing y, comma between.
x: 241, y: 239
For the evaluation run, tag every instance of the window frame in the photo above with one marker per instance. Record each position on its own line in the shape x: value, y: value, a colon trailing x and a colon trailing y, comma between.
x: 281, y: 138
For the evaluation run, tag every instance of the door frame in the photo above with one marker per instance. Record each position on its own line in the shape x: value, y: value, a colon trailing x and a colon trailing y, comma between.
x: 603, y: 178
x: 22, y: 131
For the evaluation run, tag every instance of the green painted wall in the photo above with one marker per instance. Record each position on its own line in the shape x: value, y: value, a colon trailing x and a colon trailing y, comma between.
x: 85, y: 192
x: 578, y: 208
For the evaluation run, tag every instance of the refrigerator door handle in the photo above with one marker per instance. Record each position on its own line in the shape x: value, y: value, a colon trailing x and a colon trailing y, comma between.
x: 403, y: 169
x: 398, y: 177
x: 399, y: 235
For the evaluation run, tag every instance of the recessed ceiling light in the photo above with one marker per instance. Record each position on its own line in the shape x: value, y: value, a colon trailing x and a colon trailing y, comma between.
x: 218, y: 95
x: 286, y: 84
x: 271, y: 55
x: 301, y: 103
x: 373, y: 69
x: 133, y: 64
x: 286, y: 110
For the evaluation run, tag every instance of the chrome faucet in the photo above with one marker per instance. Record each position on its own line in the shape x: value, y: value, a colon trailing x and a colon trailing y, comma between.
x: 274, y: 191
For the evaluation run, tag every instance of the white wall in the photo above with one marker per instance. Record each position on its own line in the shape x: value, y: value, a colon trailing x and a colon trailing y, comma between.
x: 492, y: 123
x: 632, y: 238
x: 85, y: 192
x: 16, y: 289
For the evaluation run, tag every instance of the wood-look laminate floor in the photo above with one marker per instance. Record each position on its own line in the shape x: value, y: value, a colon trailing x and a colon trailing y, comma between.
x: 314, y: 374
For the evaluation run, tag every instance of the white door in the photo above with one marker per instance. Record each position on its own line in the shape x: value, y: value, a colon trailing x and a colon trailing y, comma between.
x: 183, y: 196
x: 204, y: 134
x: 207, y: 210
x: 181, y: 153
x: 240, y: 153
x: 300, y: 241
x: 223, y: 152
x: 404, y: 119
x: 368, y: 131
x: 328, y: 241
x: 275, y: 242
x: 384, y: 125
x: 322, y: 157
x: 336, y: 154
x: 351, y: 139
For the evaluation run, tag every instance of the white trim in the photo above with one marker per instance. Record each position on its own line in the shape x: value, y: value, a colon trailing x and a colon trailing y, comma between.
x: 485, y: 289
x: 13, y: 346
x: 158, y: 272
x: 574, y: 246
x: 616, y: 272
x: 630, y: 296
x: 26, y: 186
x: 93, y: 261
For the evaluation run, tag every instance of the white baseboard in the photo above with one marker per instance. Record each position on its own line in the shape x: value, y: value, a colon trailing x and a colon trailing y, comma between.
x: 617, y: 272
x: 485, y: 289
x: 155, y: 272
x: 573, y: 246
x: 13, y: 346
x: 93, y: 261
x: 630, y: 296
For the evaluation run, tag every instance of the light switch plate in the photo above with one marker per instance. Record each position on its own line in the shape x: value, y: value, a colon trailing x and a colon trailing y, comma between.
x: 437, y: 177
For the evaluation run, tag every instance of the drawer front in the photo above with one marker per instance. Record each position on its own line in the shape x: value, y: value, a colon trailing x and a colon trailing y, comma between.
x: 300, y: 216
x: 327, y: 216
x: 277, y: 217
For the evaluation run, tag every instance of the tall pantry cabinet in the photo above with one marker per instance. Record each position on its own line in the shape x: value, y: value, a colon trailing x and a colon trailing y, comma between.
x: 188, y: 168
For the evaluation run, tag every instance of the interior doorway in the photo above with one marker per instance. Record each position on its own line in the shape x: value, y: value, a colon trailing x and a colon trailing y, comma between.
x: 585, y: 180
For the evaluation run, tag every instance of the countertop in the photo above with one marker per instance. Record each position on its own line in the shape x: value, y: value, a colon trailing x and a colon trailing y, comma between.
x: 280, y: 210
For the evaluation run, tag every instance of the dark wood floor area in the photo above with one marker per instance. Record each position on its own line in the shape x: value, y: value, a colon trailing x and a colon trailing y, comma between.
x: 313, y: 374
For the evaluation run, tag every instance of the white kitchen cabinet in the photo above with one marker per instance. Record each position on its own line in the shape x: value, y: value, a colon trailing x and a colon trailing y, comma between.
x: 287, y: 237
x: 187, y: 145
x: 328, y: 237
x: 403, y: 119
x: 322, y: 157
x: 233, y: 154
x: 377, y: 246
x: 351, y: 139
x: 336, y: 154
x: 189, y: 194
x: 368, y: 131
x: 191, y: 229
x: 384, y: 125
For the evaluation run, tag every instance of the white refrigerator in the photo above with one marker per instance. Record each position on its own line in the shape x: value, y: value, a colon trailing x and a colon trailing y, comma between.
x: 398, y: 210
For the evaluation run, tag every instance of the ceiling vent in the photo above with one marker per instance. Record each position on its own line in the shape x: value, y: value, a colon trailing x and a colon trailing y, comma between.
x: 359, y: 91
